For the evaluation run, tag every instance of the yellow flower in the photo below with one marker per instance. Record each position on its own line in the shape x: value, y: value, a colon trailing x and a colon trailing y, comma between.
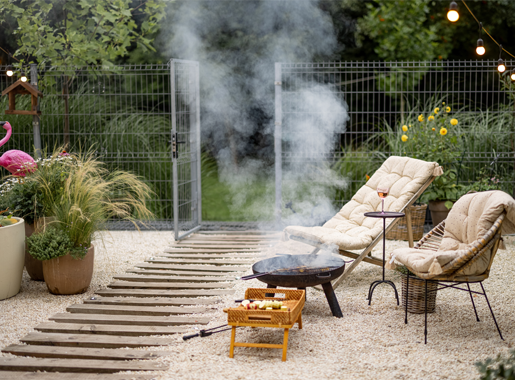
x: 448, y: 109
x: 437, y: 110
x: 421, y: 118
x: 404, y: 138
x: 430, y: 118
x: 443, y: 131
x: 409, y: 125
x: 454, y: 121
x: 404, y: 128
x: 434, y: 129
x: 443, y: 103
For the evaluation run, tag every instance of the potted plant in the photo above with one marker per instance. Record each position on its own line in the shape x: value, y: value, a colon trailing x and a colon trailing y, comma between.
x: 81, y: 205
x: 25, y: 198
x: 12, y: 250
x: 433, y: 136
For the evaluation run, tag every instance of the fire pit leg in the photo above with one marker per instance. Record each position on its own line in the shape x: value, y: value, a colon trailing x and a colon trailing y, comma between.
x: 305, y: 294
x: 332, y: 300
x: 270, y: 287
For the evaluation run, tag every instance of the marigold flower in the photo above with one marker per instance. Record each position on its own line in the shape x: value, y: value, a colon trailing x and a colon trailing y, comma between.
x: 404, y: 138
x: 367, y: 177
x: 437, y: 110
x: 454, y: 121
x: 430, y: 118
x: 443, y: 103
x: 448, y: 109
x: 443, y: 131
x: 421, y: 118
x: 404, y: 128
x: 434, y: 129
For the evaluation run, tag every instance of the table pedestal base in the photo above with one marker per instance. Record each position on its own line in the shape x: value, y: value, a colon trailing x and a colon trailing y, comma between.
x: 374, y: 285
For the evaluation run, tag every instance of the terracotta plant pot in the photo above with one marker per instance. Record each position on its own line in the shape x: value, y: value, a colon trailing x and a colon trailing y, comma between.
x: 34, y: 266
x: 65, y: 275
x: 438, y: 211
x: 12, y: 251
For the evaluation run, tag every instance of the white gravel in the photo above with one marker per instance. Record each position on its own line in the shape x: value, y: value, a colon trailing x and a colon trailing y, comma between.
x: 369, y: 342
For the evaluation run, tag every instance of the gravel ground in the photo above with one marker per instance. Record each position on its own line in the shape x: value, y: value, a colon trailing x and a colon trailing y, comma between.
x: 369, y: 342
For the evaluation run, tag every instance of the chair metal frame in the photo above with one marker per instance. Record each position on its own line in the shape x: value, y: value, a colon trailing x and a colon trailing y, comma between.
x: 431, y: 241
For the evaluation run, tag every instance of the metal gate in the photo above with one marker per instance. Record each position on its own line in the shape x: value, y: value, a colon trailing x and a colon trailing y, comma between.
x: 187, y: 201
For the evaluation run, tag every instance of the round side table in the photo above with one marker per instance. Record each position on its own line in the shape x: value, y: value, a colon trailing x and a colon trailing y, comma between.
x: 384, y: 215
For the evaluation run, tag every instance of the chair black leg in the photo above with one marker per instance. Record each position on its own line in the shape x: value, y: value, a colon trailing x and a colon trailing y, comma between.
x: 407, y: 290
x: 473, y: 304
x: 425, y: 313
x: 491, y: 311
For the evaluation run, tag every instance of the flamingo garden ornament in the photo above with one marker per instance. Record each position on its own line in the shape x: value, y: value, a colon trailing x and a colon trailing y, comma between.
x: 18, y: 163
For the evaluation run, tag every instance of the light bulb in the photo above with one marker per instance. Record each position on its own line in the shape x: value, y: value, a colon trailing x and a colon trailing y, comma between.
x: 453, y: 14
x: 480, y: 49
x: 512, y: 76
x: 9, y: 71
x: 501, y: 67
x: 23, y: 78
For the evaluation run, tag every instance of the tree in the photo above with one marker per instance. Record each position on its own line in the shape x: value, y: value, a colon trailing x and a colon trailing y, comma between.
x: 79, y: 32
x: 405, y: 31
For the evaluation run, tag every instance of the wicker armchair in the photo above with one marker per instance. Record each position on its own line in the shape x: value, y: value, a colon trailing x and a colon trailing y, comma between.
x: 451, y: 276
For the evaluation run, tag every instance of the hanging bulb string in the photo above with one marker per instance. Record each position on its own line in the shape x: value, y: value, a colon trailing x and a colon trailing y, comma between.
x: 486, y: 31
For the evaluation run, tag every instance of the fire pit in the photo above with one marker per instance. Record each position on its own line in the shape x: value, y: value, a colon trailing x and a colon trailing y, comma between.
x: 301, y: 271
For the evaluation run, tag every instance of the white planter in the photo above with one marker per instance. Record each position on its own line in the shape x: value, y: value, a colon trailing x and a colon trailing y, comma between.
x: 12, y: 258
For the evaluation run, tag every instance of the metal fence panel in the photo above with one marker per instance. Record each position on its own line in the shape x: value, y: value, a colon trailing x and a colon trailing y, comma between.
x: 380, y: 94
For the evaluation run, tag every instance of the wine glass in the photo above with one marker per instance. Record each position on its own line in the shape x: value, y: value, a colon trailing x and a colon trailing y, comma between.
x: 383, y: 193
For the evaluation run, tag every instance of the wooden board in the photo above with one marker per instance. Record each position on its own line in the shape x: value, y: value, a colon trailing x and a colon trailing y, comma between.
x: 169, y: 260
x: 233, y: 247
x: 92, y: 341
x: 122, y: 330
x: 197, y: 274
x: 133, y: 310
x: 204, y: 268
x: 162, y: 293
x: 132, y: 301
x: 168, y: 285
x: 210, y: 255
x: 151, y: 278
x: 10, y: 375
x: 78, y: 365
x: 127, y: 320
x: 206, y: 250
x: 82, y: 353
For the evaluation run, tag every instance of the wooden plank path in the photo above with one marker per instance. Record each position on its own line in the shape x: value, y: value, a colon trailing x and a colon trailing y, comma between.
x: 100, y: 338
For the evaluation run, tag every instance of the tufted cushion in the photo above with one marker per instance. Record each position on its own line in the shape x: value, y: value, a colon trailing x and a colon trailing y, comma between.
x: 350, y: 229
x: 469, y: 220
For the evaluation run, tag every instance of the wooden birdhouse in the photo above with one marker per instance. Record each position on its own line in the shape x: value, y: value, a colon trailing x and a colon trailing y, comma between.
x: 22, y: 88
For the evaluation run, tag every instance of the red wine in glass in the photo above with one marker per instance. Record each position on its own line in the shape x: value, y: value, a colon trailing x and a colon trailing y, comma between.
x: 383, y: 193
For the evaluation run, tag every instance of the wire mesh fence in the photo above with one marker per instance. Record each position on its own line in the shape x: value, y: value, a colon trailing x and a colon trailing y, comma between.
x: 381, y: 97
x: 123, y: 113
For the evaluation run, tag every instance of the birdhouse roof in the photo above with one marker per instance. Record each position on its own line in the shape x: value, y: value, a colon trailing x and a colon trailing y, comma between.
x: 22, y: 88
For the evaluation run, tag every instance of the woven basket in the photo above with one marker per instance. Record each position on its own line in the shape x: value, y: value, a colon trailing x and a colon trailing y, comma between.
x: 400, y: 230
x: 416, y: 302
x: 293, y: 299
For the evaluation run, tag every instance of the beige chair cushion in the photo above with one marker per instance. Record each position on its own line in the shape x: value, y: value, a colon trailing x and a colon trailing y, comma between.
x: 350, y: 229
x: 469, y: 220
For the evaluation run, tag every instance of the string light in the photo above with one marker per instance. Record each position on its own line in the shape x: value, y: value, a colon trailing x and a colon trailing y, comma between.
x: 480, y: 49
x: 9, y: 71
x: 512, y: 76
x: 23, y: 76
x: 453, y: 14
x: 501, y: 67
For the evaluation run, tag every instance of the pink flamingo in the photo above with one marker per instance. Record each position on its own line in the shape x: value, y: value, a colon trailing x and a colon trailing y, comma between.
x: 18, y: 163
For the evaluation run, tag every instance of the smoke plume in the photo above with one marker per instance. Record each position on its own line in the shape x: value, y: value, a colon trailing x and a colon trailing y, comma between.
x: 237, y: 43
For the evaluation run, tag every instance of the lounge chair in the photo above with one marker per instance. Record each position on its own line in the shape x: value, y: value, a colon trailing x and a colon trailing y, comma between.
x: 407, y: 179
x: 460, y: 250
